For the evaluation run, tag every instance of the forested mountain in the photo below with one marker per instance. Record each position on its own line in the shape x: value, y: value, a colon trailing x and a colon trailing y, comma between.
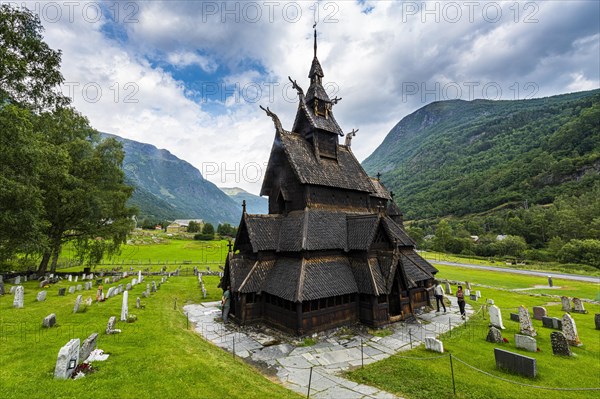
x: 464, y: 157
x: 254, y: 203
x: 168, y: 188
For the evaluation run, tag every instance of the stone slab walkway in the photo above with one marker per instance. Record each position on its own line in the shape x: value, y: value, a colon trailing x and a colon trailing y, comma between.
x: 293, y: 364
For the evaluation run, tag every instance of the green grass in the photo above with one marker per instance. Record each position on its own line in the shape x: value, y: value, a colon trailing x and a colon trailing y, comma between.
x: 516, y: 281
x: 431, y: 378
x: 529, y: 265
x: 157, y: 356
x: 381, y: 332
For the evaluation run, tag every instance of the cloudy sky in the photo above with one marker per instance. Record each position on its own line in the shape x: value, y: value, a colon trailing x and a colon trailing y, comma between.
x: 189, y: 76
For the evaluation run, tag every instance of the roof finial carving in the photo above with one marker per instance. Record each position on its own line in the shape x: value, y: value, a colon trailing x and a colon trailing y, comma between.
x: 296, y: 86
x: 275, y: 118
x: 244, y: 206
x: 349, y: 137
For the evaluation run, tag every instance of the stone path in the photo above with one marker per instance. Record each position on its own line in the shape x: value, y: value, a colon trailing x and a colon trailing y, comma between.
x: 292, y: 364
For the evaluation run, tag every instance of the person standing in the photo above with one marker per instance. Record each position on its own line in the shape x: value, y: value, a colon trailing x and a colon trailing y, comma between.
x: 438, y: 292
x: 460, y: 295
x: 226, y: 304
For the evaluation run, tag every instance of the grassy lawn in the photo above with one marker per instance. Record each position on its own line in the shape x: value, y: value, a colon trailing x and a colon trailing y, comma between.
x: 511, y: 281
x: 157, y: 356
x: 531, y: 265
x: 431, y: 377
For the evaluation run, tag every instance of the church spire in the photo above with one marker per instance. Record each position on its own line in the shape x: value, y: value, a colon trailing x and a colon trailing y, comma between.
x: 315, y: 26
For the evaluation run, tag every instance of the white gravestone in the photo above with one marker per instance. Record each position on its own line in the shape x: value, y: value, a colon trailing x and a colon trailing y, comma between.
x: 496, y: 317
x: 526, y: 327
x: 124, y: 307
x: 525, y: 342
x: 72, y: 289
x: 570, y: 330
x: 433, y: 344
x: 68, y: 357
x: 19, y: 297
x: 77, y: 304
x: 70, y: 277
x: 578, y: 306
x: 41, y: 296
x: 566, y: 304
x: 448, y: 288
x: 478, y: 294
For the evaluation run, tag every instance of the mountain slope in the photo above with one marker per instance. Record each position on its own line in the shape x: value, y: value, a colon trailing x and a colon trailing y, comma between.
x: 170, y: 188
x: 254, y: 203
x: 458, y: 157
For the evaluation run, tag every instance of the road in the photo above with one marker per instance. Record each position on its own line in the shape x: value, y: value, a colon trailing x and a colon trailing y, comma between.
x: 576, y: 277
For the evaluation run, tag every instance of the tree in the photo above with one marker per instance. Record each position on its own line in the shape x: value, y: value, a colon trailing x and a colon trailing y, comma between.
x: 208, y: 229
x: 193, y: 227
x: 84, y: 193
x: 443, y: 236
x: 29, y: 68
x: 21, y: 163
x: 226, y: 230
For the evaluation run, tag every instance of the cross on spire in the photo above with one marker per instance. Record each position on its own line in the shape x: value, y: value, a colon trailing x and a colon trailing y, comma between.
x: 230, y: 246
x: 244, y: 206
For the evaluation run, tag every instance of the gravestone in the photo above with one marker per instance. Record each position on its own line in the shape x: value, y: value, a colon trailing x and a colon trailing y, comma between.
x: 550, y: 282
x: 473, y: 297
x: 19, y: 297
x: 560, y: 345
x: 124, y: 307
x: 121, y: 289
x: 17, y: 280
x: 72, y: 289
x: 25, y: 278
x: 525, y: 342
x: 49, y: 320
x: 12, y: 289
x: 145, y: 294
x: 134, y: 281
x: 76, y: 278
x: 110, y: 327
x: 62, y: 291
x: 138, y: 302
x: 468, y: 285
x: 525, y: 325
x: 153, y: 286
x: 494, y: 336
x: 467, y: 292
x: 140, y: 276
x: 89, y: 301
x: 88, y: 345
x: 99, y: 281
x: 110, y: 292
x: 552, y: 322
x: 1, y: 285
x: 67, y: 360
x: 570, y: 330
x: 106, y: 280
x: 578, y: 306
x: 70, y: 278
x: 77, y: 304
x: 433, y: 344
x: 162, y: 280
x: 597, y: 320
x: 448, y: 288
x: 478, y: 294
x: 128, y: 287
x: 515, y: 363
x: 148, y: 287
x: 44, y: 283
x: 495, y: 317
x: 41, y: 296
x: 490, y: 301
x: 566, y: 304
x: 88, y: 285
x: 539, y: 312
x: 79, y: 287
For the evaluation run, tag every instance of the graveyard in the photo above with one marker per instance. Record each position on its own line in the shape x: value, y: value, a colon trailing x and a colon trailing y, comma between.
x: 160, y: 353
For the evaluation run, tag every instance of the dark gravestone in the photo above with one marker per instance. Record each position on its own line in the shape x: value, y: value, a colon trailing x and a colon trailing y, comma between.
x: 99, y: 281
x: 494, y: 336
x: 88, y: 345
x: 473, y: 297
x: 62, y: 291
x: 514, y: 317
x: 597, y: 321
x: 515, y: 363
x: 552, y: 322
x: 560, y: 346
x: 539, y: 312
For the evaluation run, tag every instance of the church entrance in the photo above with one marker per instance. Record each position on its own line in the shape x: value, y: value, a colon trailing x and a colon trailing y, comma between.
x: 395, y: 308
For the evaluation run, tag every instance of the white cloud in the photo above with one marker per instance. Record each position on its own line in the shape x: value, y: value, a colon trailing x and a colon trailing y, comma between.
x: 373, y: 60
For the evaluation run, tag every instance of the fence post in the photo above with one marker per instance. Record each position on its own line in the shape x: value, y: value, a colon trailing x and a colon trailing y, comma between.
x: 233, y: 346
x: 452, y: 371
x: 410, y: 337
x: 309, y: 381
x: 362, y: 359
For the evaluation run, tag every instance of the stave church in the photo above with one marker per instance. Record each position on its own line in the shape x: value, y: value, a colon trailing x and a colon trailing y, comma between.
x: 332, y: 251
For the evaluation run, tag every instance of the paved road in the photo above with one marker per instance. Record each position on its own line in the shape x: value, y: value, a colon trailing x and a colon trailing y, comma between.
x: 577, y: 277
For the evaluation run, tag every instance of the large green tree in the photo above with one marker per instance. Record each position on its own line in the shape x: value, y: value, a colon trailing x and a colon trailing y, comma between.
x: 29, y: 68
x: 84, y: 193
